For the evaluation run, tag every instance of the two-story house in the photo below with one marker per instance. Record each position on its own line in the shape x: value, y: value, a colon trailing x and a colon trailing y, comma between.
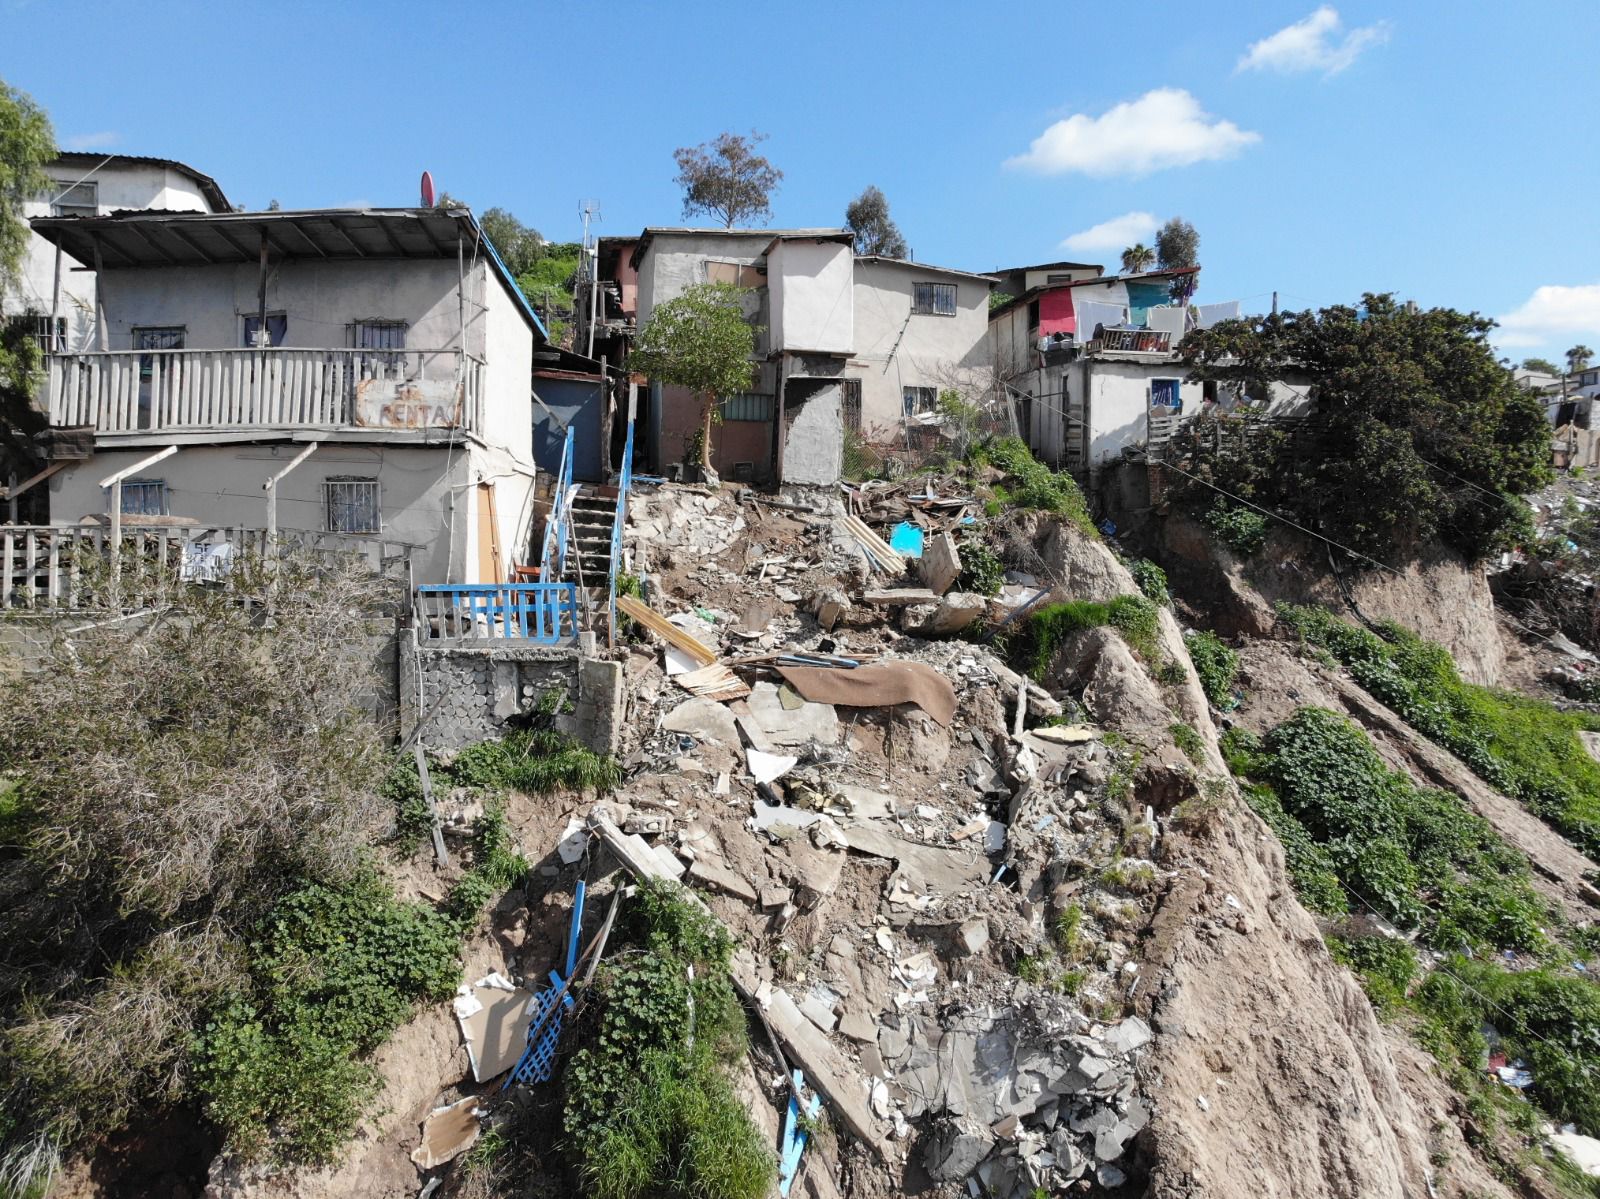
x: 865, y: 343
x: 55, y: 292
x: 372, y: 365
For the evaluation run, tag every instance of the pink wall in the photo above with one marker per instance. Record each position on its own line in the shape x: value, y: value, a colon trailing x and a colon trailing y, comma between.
x: 1055, y: 312
x: 731, y: 441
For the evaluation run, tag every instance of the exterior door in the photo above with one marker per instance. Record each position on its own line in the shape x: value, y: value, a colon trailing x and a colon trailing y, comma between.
x: 490, y: 567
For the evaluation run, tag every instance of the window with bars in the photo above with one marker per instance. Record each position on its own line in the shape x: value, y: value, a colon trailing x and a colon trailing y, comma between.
x: 277, y: 328
x: 850, y: 404
x: 934, y: 299
x: 77, y: 199
x: 37, y: 326
x: 919, y: 399
x: 144, y: 497
x: 353, y: 505
x: 748, y: 406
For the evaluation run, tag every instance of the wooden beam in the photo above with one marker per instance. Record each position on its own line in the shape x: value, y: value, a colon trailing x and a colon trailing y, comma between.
x: 204, y: 255
x: 151, y: 242
x: 11, y: 493
x: 245, y: 253
x: 306, y: 237
x: 348, y: 240
x: 666, y: 630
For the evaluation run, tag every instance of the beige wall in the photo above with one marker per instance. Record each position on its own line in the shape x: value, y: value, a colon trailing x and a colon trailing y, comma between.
x: 895, y: 348
x: 812, y: 300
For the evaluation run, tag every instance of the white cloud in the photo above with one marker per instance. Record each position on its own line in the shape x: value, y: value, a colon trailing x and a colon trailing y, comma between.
x: 1117, y: 234
x: 92, y: 141
x: 1313, y: 45
x: 1162, y: 128
x: 1551, y: 315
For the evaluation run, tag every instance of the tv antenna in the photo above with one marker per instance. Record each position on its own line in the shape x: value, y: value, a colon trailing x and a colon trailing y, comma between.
x: 589, y: 210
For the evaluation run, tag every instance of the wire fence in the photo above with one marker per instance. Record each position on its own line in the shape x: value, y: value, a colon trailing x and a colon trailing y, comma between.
x: 923, y: 439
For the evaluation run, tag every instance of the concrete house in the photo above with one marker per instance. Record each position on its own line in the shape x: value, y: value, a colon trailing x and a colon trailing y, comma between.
x: 55, y: 293
x: 846, y: 341
x: 919, y: 330
x: 375, y: 362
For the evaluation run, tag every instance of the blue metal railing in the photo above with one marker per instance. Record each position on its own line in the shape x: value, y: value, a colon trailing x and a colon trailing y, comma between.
x: 619, y: 522
x: 543, y: 613
x: 558, y: 528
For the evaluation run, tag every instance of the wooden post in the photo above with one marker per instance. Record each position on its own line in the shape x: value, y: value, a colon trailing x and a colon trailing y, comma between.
x: 262, y: 339
x: 55, y: 305
x: 102, y: 336
x: 271, y: 488
x: 441, y: 855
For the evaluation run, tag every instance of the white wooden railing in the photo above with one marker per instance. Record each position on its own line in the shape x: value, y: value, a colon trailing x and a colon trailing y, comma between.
x: 136, y: 391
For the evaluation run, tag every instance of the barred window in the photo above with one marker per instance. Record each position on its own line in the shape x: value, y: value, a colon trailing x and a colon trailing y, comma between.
x: 353, y: 505
x: 850, y: 405
x: 747, y: 406
x: 937, y: 299
x: 37, y: 326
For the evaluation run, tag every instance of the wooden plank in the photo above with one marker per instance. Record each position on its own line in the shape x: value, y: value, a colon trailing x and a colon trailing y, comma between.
x: 30, y: 550
x: 53, y: 581
x: 7, y: 565
x: 441, y: 855
x: 666, y: 630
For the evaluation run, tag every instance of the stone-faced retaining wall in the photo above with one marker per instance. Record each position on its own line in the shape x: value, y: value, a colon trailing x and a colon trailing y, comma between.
x: 465, y: 695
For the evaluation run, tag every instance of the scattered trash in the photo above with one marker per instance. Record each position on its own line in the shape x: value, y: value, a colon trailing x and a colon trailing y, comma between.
x: 906, y: 540
x: 795, y: 1135
x: 447, y: 1132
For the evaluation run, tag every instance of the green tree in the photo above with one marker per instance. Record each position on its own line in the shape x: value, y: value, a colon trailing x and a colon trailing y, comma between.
x: 1137, y: 258
x: 1578, y: 358
x: 727, y: 178
x: 519, y: 246
x: 1178, y: 245
x: 26, y: 144
x: 868, y: 218
x: 1419, y: 431
x: 1540, y: 364
x: 700, y: 340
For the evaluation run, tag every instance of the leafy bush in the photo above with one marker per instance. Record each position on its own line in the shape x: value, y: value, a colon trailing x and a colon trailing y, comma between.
x: 1386, y: 965
x: 1216, y: 664
x: 982, y: 571
x: 1419, y: 857
x: 1150, y: 579
x: 1243, y: 530
x: 1135, y: 617
x: 496, y: 867
x: 648, y: 1105
x: 534, y: 761
x: 1032, y: 484
x: 1188, y: 740
x: 334, y: 971
x: 1525, y: 747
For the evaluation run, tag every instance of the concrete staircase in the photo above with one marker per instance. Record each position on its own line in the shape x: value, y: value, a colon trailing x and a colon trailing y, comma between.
x: 594, y: 515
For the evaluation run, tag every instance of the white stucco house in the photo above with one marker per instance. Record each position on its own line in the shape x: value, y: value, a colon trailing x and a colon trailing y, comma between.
x: 920, y: 329
x: 57, y: 298
x: 846, y: 341
x: 381, y: 356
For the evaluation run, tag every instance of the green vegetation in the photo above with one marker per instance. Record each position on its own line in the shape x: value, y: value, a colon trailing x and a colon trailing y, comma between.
x: 1241, y: 529
x: 1030, y: 483
x: 1135, y: 617
x: 1150, y: 579
x: 1068, y: 931
x: 1188, y: 740
x: 1415, y: 418
x: 700, y: 340
x: 982, y: 571
x: 649, y: 1108
x: 1524, y: 747
x: 549, y: 283
x: 1419, y: 858
x: 334, y: 972
x: 1216, y: 664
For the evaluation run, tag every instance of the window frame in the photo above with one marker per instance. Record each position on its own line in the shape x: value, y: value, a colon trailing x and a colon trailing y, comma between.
x: 934, y: 291
x: 738, y: 407
x: 244, y: 327
x: 913, y: 405
x: 143, y: 486
x: 60, y: 189
x: 330, y: 499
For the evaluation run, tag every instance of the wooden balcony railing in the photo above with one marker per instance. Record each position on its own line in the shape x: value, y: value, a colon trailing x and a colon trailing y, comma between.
x: 1144, y: 341
x: 139, y: 391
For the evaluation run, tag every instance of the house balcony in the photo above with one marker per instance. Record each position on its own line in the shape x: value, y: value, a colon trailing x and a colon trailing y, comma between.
x: 143, y: 393
x: 1132, y: 341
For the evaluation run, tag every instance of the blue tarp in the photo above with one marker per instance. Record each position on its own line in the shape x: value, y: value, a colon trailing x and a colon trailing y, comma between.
x: 906, y: 540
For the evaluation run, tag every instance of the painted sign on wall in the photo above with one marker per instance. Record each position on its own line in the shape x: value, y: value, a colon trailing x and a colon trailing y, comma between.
x: 408, y: 403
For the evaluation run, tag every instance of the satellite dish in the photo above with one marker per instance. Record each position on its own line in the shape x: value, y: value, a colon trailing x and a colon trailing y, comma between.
x: 427, y: 189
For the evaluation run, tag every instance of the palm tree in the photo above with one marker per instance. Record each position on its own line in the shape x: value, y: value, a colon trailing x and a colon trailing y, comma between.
x: 1578, y: 357
x: 1136, y: 258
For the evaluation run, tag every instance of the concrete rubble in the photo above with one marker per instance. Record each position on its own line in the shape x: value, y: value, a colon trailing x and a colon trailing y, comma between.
x: 893, y: 881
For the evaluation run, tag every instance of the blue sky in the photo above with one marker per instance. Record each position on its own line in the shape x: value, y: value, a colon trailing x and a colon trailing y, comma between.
x: 1438, y: 149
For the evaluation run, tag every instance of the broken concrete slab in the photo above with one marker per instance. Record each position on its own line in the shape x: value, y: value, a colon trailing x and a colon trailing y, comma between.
x: 941, y: 563
x: 858, y: 1024
x: 713, y: 874
x: 973, y: 935
x: 706, y: 720
x: 955, y: 1149
x: 900, y: 597
x: 952, y: 614
x: 867, y: 804
x: 826, y: 1069
x: 785, y: 727
x: 946, y: 871
x: 1124, y: 1037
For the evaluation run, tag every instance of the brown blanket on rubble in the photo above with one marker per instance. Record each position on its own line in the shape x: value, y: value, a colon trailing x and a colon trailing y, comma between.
x: 876, y: 686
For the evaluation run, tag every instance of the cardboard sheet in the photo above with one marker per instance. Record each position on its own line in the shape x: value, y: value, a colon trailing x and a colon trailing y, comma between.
x: 447, y: 1133
x: 878, y: 685
x: 497, y: 1033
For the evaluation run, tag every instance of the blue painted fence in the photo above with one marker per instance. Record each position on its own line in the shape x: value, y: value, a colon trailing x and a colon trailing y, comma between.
x: 619, y: 523
x: 466, y: 613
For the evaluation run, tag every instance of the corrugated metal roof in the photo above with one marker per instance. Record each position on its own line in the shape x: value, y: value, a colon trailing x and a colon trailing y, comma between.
x: 147, y: 238
x: 208, y: 186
